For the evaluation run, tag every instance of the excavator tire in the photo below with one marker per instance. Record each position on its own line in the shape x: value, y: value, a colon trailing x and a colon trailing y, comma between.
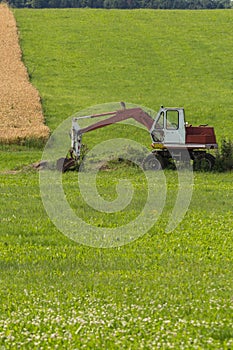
x: 204, y: 162
x: 153, y: 162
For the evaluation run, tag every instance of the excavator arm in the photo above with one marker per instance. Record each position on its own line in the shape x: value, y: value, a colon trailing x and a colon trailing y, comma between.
x: 115, y: 117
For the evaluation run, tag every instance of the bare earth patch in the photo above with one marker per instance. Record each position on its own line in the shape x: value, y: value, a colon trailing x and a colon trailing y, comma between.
x: 21, y: 115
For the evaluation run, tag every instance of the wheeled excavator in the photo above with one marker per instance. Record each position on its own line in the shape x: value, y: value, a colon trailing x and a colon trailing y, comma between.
x: 172, y: 137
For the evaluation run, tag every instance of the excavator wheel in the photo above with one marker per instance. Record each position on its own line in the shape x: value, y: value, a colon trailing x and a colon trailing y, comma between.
x: 64, y: 164
x: 204, y: 162
x: 153, y: 162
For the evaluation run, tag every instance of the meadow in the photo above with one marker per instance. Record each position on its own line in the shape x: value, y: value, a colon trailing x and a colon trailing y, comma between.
x: 164, y: 290
x: 81, y: 58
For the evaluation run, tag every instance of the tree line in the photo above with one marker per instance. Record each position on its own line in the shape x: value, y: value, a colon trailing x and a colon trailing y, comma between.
x: 123, y: 4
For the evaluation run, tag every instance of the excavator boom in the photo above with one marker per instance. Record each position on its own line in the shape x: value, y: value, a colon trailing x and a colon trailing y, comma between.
x: 115, y: 117
x: 135, y: 113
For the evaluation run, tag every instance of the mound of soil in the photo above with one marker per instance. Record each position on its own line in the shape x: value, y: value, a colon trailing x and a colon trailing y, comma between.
x: 21, y: 115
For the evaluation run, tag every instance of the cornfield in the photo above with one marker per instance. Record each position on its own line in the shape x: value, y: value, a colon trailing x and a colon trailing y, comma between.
x: 21, y: 115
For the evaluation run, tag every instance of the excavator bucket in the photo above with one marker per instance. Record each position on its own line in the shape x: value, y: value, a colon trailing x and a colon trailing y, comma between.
x: 64, y: 164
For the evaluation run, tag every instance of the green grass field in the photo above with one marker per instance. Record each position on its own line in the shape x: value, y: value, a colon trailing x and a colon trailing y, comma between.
x: 80, y: 58
x: 164, y: 290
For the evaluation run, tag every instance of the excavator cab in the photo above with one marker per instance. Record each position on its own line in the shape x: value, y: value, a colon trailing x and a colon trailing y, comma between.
x: 169, y: 126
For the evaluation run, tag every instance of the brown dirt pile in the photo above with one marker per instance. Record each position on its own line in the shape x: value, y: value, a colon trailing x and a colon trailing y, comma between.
x: 21, y: 115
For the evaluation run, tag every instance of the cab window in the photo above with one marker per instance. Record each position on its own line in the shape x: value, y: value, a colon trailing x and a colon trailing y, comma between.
x: 160, y: 122
x: 172, y: 120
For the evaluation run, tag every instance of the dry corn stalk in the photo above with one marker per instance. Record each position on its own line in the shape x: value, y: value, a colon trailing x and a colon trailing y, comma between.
x: 21, y: 115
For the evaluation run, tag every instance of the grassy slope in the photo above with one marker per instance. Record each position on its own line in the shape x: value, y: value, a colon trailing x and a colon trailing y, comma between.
x: 163, y: 290
x: 79, y: 58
